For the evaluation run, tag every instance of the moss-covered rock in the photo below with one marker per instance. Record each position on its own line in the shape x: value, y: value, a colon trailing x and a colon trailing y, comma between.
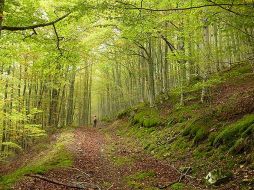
x: 123, y: 114
x: 238, y: 146
x: 230, y: 134
x: 198, y: 130
x: 217, y: 177
x: 147, y: 118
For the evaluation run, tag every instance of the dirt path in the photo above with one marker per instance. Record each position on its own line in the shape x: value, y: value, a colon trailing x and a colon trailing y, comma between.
x: 104, y: 159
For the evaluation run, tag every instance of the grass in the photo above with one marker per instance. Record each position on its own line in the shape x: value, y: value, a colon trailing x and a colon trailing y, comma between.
x: 141, y: 175
x: 112, y: 151
x: 178, y: 186
x: 122, y: 160
x: 135, y: 181
x: 55, y: 157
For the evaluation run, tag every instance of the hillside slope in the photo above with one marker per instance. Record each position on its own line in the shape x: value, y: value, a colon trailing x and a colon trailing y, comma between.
x: 215, y: 137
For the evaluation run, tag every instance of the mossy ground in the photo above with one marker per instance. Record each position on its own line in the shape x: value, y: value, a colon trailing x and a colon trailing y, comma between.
x: 218, y: 134
x: 117, y: 158
x: 135, y: 181
x: 147, y: 117
x: 55, y: 156
x: 177, y: 186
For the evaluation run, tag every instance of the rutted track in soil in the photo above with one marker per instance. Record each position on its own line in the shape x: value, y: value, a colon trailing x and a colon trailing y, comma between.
x: 94, y: 166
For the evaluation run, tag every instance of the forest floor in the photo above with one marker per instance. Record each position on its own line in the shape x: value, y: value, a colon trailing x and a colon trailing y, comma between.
x: 105, y: 160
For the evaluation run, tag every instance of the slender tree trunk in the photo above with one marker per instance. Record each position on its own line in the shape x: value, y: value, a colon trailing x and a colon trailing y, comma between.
x: 1, y: 14
x: 62, y: 108
x: 90, y: 96
x: 70, y: 105
x: 151, y: 75
x: 166, y: 71
x: 53, y: 114
x: 5, y: 110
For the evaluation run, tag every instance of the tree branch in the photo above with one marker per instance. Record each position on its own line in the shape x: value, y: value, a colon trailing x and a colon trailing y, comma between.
x: 171, y: 47
x: 229, y: 10
x: 133, y: 7
x: 86, y: 66
x: 69, y: 185
x: 57, y: 40
x: 139, y: 45
x: 142, y: 47
x: 244, y: 32
x: 30, y: 35
x: 32, y: 27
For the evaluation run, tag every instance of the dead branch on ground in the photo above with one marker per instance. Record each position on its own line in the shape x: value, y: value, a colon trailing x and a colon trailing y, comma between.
x: 69, y: 185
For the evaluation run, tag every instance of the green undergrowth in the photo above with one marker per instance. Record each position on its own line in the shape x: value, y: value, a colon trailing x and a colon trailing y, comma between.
x: 178, y: 186
x: 55, y: 156
x: 136, y: 180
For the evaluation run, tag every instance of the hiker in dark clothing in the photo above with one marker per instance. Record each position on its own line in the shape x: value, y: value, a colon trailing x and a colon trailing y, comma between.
x: 94, y: 121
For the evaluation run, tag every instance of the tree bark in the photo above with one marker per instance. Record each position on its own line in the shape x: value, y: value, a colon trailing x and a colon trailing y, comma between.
x: 1, y: 15
x: 70, y: 102
x: 151, y: 75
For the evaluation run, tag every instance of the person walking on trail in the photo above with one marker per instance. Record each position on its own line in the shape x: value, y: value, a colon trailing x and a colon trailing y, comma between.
x: 94, y: 121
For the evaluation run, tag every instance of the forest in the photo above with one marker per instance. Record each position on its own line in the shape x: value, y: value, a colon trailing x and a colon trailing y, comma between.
x: 170, y: 82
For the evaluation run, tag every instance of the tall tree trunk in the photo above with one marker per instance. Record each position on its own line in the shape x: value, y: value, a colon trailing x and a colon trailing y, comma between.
x: 53, y: 113
x: 151, y: 75
x: 165, y: 73
x: 1, y: 14
x: 62, y: 109
x: 5, y: 110
x: 90, y: 96
x: 70, y: 105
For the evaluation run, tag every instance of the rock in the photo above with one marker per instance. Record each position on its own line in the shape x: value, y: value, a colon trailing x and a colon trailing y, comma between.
x: 217, y: 177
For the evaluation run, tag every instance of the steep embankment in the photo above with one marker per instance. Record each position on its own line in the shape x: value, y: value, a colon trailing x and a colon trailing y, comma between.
x: 215, y: 137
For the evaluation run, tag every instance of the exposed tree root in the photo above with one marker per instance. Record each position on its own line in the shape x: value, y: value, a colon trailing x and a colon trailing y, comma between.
x: 76, y: 185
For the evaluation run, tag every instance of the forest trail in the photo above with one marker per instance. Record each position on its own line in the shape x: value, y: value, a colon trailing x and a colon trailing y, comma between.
x: 104, y: 159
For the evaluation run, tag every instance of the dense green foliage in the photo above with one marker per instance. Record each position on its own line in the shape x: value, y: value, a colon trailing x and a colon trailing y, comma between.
x: 180, y: 71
